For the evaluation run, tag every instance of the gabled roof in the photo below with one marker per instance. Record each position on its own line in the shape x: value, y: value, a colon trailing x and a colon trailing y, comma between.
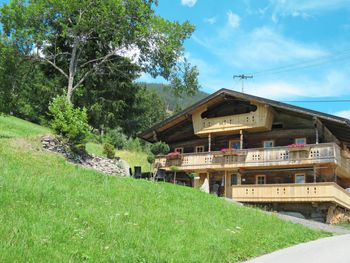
x: 338, y: 125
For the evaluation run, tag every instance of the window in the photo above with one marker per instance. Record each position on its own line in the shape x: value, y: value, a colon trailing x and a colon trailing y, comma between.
x: 300, y: 140
x: 268, y: 144
x: 199, y: 149
x: 234, y: 144
x: 234, y: 179
x: 300, y: 178
x: 260, y: 179
x: 179, y: 150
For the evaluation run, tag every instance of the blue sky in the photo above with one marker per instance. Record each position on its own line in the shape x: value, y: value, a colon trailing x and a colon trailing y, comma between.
x: 264, y: 38
x: 254, y: 36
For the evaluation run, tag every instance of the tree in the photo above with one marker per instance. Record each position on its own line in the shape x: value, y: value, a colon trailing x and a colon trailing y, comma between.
x: 25, y: 90
x: 174, y: 169
x: 79, y: 37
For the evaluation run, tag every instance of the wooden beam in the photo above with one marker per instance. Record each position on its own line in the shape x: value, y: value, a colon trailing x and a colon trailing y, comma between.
x: 241, y: 139
x: 209, y: 142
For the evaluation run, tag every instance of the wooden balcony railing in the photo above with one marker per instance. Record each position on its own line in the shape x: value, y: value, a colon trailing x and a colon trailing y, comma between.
x: 314, y: 192
x: 261, y: 157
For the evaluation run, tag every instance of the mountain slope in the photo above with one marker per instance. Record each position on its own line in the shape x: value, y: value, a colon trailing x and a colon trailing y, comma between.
x: 170, y: 100
x: 53, y: 211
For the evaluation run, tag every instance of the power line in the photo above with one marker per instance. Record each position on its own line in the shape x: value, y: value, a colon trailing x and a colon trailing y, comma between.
x: 316, y: 101
x: 341, y: 55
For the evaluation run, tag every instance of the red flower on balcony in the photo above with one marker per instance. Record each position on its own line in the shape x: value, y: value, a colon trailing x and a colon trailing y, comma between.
x: 174, y: 155
x: 228, y: 151
x: 296, y: 145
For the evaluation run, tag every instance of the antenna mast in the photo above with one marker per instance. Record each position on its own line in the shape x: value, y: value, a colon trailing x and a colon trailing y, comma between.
x: 242, y: 77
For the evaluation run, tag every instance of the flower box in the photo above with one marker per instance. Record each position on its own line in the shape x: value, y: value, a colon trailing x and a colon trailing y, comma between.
x: 174, y: 155
x: 296, y: 147
x: 229, y: 151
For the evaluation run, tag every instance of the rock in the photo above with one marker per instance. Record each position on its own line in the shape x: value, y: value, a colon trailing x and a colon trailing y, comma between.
x: 117, y: 167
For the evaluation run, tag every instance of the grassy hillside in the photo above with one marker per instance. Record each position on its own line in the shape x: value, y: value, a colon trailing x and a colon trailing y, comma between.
x: 53, y: 211
x: 170, y: 100
x: 133, y: 158
x: 13, y: 127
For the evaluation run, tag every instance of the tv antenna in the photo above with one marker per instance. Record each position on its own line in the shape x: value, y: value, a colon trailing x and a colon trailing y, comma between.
x: 242, y: 77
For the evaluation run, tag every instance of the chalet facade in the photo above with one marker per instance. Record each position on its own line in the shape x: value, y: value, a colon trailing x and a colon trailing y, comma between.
x: 260, y: 151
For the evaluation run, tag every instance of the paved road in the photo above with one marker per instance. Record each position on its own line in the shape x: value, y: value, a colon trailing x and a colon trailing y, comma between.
x: 334, y: 249
x: 308, y: 223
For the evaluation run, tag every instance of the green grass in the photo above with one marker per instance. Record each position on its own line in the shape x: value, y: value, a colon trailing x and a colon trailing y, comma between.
x: 53, y: 211
x: 11, y: 127
x: 344, y: 225
x: 133, y: 158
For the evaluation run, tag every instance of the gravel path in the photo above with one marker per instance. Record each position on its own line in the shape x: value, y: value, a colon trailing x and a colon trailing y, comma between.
x: 315, y: 225
x: 308, y: 223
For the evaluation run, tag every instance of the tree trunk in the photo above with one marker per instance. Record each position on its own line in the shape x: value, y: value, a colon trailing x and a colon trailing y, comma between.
x: 174, y: 177
x: 72, y: 70
x: 70, y: 89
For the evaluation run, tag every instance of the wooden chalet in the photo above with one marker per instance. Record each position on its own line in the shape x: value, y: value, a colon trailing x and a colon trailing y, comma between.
x: 259, y: 151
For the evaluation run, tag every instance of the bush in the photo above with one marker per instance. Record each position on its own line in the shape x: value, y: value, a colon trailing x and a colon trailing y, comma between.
x: 160, y: 148
x: 116, y: 137
x: 69, y: 122
x: 150, y: 158
x: 134, y: 145
x: 109, y: 150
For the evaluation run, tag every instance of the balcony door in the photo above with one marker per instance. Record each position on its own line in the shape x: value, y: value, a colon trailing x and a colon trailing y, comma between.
x: 260, y: 179
x: 234, y: 144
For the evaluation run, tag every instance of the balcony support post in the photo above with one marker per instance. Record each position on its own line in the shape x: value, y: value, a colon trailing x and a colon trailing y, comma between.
x: 314, y: 173
x: 241, y: 139
x: 209, y: 142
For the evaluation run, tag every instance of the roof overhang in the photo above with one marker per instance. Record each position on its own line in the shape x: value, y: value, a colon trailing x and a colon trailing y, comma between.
x: 342, y: 125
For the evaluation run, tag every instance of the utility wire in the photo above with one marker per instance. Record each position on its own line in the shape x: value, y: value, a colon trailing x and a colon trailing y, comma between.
x: 316, y: 101
x: 341, y: 55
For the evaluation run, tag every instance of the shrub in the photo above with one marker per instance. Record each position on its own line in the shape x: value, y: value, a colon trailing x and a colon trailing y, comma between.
x: 116, y: 137
x: 109, y: 150
x: 160, y: 148
x: 69, y: 122
x: 133, y: 145
x: 150, y: 158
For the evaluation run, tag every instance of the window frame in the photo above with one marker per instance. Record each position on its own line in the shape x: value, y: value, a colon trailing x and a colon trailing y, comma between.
x: 273, y: 144
x: 300, y: 138
x: 299, y: 174
x: 197, y: 147
x: 257, y: 178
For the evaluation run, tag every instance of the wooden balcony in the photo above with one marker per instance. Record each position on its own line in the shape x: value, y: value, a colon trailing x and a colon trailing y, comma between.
x: 314, y: 192
x: 327, y: 153
x: 259, y: 120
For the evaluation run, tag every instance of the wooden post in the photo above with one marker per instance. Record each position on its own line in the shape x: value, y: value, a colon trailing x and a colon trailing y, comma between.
x: 314, y: 174
x: 209, y: 142
x: 316, y: 130
x: 239, y: 178
x: 241, y: 139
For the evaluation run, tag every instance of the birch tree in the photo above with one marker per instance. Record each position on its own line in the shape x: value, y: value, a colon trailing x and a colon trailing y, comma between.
x: 78, y: 37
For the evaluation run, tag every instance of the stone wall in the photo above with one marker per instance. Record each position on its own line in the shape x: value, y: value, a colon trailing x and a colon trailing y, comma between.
x: 337, y: 215
x: 114, y: 166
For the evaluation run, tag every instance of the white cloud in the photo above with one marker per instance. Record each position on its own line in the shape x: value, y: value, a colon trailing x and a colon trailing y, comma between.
x: 233, y: 19
x: 344, y: 114
x: 210, y: 20
x: 188, y: 3
x: 304, y: 8
x: 259, y: 49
